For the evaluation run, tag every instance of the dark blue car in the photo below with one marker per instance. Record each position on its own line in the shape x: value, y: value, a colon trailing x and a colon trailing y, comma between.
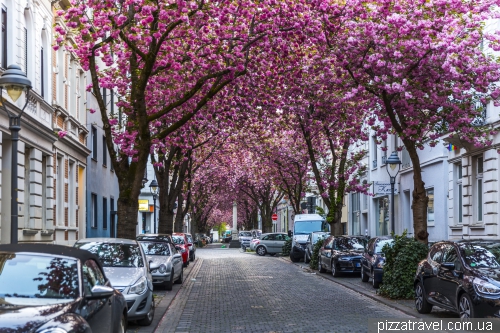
x: 373, y: 260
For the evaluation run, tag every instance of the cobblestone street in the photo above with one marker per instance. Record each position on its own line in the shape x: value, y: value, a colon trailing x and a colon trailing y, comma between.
x: 230, y: 291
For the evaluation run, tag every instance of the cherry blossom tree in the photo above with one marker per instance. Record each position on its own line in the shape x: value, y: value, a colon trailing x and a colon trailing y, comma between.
x: 424, y: 65
x: 167, y: 60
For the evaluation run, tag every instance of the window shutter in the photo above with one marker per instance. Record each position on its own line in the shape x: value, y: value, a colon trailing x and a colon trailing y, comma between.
x: 25, y: 53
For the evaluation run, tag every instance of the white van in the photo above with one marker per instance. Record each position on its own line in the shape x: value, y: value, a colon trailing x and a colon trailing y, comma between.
x: 303, y: 225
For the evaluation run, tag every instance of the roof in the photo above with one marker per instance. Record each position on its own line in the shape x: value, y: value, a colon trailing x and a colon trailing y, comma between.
x: 107, y: 240
x: 308, y: 217
x: 155, y: 238
x: 57, y: 250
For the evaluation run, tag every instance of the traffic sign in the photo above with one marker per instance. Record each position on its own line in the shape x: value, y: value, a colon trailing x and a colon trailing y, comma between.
x: 275, y: 217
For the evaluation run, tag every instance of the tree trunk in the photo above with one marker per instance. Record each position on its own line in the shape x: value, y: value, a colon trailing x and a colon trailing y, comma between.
x: 127, y: 215
x: 179, y: 217
x: 420, y: 198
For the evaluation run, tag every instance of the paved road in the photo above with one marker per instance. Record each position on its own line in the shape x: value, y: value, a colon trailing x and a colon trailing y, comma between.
x: 229, y: 291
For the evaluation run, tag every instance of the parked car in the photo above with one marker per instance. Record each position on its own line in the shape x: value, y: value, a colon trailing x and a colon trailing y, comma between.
x: 372, y: 263
x: 341, y: 254
x: 245, y: 237
x: 312, y: 239
x: 48, y: 288
x: 253, y: 243
x: 125, y: 265
x: 192, y: 247
x: 182, y: 244
x: 303, y: 225
x: 271, y: 243
x: 463, y: 277
x: 169, y: 261
x: 256, y: 233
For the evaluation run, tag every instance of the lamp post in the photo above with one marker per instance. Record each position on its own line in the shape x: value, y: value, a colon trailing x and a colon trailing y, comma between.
x: 391, y: 164
x: 15, y: 82
x: 153, y: 187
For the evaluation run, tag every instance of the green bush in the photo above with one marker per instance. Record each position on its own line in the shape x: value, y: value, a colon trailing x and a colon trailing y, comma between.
x: 314, y: 260
x: 401, y: 259
x: 287, y: 248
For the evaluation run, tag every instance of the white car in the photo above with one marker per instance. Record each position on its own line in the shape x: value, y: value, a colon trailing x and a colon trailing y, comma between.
x: 245, y: 237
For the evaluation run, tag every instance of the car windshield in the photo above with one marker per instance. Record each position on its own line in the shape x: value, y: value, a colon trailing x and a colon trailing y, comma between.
x: 306, y: 227
x: 348, y: 244
x: 24, y: 276
x: 178, y: 239
x: 155, y: 248
x: 190, y: 238
x: 246, y: 234
x: 115, y: 254
x: 317, y: 237
x: 478, y: 256
x: 381, y: 243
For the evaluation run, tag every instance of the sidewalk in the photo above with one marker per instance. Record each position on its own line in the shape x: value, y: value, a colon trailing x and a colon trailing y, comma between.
x: 354, y: 283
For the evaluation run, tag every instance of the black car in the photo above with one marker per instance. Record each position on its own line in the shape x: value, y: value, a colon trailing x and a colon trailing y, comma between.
x: 372, y: 262
x: 54, y: 288
x: 341, y: 254
x: 463, y: 277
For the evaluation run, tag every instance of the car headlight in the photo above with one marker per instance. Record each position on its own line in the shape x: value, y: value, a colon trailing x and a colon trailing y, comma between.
x: 381, y: 264
x: 53, y: 330
x: 139, y: 287
x: 162, y: 269
x: 485, y: 287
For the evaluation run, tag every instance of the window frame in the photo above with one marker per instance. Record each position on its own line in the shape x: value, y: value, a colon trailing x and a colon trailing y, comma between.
x: 93, y: 210
x: 94, y: 142
x: 479, y: 189
x: 457, y: 193
x: 431, y: 222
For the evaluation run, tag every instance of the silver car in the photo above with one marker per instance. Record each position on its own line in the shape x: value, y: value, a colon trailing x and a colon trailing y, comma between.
x: 126, y: 267
x: 170, y: 267
x: 245, y: 237
x: 271, y: 243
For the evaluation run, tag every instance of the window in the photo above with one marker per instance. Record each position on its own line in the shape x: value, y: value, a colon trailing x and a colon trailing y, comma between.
x: 458, y: 192
x: 105, y: 213
x: 104, y: 152
x: 382, y: 216
x: 355, y: 201
x: 436, y: 253
x: 42, y: 78
x: 92, y: 276
x: 112, y: 104
x: 94, y: 143
x: 374, y: 150
x: 430, y: 206
x: 384, y: 151
x: 4, y: 38
x: 104, y: 97
x: 479, y: 189
x: 93, y: 211
x: 25, y: 51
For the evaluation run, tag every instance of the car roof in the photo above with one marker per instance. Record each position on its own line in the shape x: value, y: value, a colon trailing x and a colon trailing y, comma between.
x: 154, y: 237
x: 108, y: 240
x: 56, y: 250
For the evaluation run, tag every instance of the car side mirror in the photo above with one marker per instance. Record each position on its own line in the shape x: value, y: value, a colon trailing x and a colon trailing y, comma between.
x: 101, y: 292
x: 177, y: 255
x: 448, y: 265
x: 153, y: 266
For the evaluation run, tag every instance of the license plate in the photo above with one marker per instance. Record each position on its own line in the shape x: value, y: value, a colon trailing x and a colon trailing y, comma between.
x: 358, y: 264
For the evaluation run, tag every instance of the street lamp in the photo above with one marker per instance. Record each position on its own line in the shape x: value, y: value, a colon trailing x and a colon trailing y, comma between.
x: 15, y: 82
x: 391, y: 164
x: 153, y: 187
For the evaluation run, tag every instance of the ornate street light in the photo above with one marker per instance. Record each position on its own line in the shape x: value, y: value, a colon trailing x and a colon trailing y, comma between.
x: 391, y: 164
x: 153, y: 187
x: 14, y: 81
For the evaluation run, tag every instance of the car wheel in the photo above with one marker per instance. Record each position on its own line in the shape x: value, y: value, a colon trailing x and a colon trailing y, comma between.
x: 375, y: 284
x: 293, y: 259
x: 168, y: 284
x: 194, y: 257
x: 122, y: 325
x: 261, y: 251
x: 335, y: 271
x: 146, y: 321
x: 180, y: 279
x: 421, y: 303
x: 320, y: 267
x: 465, y: 307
